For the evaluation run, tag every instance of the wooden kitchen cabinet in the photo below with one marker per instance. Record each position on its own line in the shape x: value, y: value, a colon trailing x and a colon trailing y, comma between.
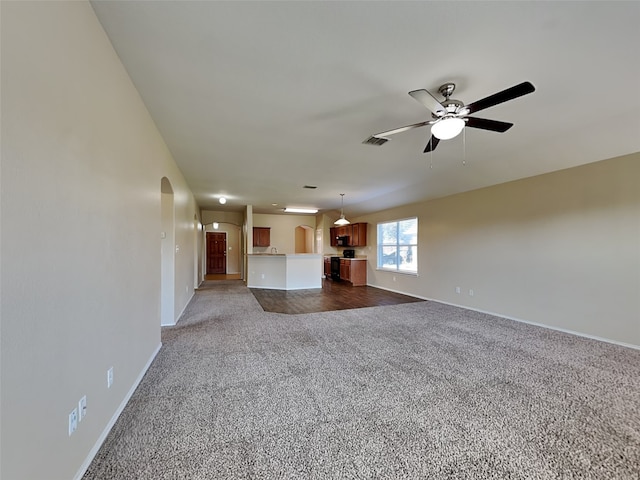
x: 261, y: 236
x: 344, y: 230
x: 358, y: 235
x: 345, y: 269
x: 354, y: 270
x: 327, y: 267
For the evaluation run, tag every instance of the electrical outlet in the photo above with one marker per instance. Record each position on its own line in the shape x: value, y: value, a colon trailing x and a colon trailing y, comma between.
x: 394, y: 278
x: 73, y: 421
x: 110, y: 377
x: 82, y: 408
x: 471, y: 292
x: 457, y: 289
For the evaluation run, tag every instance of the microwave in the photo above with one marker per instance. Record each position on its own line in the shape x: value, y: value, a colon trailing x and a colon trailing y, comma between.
x: 342, y: 241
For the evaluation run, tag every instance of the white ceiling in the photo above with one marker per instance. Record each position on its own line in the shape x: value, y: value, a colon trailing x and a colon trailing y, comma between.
x: 257, y: 99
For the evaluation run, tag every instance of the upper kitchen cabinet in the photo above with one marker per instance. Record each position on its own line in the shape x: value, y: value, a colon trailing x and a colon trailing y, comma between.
x: 358, y: 236
x: 357, y: 233
x: 261, y: 236
x: 333, y: 237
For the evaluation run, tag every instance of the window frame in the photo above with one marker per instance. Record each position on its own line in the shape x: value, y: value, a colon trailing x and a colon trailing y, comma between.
x: 398, y: 246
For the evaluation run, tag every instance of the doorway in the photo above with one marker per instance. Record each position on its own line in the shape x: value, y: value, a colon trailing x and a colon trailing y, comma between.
x: 216, y: 252
x: 304, y: 239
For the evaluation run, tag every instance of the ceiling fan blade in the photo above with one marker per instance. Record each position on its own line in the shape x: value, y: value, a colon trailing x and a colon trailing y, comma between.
x: 433, y: 143
x: 428, y: 100
x: 403, y: 129
x: 500, y: 97
x: 485, y: 124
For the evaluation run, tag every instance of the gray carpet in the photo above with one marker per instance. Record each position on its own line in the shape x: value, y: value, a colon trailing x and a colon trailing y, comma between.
x: 413, y: 391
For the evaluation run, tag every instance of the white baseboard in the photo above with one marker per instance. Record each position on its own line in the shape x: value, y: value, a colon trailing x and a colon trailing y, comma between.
x: 105, y: 432
x: 193, y: 293
x: 550, y: 327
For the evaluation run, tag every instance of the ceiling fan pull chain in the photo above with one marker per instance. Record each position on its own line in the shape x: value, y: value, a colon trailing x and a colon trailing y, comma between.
x: 464, y: 147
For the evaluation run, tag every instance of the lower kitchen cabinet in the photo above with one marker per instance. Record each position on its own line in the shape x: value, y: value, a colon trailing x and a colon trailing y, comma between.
x: 345, y: 269
x: 354, y: 270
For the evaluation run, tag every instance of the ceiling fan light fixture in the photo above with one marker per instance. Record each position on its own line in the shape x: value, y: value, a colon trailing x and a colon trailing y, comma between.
x: 342, y: 221
x: 447, y: 128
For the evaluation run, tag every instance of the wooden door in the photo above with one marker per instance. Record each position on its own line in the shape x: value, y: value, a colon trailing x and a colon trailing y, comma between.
x: 216, y: 253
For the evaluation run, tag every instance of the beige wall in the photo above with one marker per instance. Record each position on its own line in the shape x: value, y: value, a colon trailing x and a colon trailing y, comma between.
x: 210, y: 216
x: 561, y: 249
x: 283, y: 230
x: 82, y: 164
x: 325, y: 222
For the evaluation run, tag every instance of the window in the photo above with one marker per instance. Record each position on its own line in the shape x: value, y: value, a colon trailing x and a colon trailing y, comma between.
x: 398, y: 245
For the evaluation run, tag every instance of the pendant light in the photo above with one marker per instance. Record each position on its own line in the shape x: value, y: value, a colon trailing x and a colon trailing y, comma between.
x: 342, y: 220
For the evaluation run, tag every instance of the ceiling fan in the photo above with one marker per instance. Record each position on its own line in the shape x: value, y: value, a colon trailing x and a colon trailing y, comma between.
x: 450, y: 116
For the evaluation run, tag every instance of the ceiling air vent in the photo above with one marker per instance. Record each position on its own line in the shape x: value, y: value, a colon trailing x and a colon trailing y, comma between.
x: 377, y: 141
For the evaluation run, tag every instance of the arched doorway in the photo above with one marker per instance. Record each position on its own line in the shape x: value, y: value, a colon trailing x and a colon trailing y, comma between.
x: 304, y: 239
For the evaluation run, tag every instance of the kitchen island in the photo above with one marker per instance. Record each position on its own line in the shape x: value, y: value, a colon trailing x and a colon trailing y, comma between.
x: 284, y: 271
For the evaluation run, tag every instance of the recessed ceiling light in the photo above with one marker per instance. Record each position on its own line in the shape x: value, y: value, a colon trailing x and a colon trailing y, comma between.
x: 300, y: 210
x: 222, y: 200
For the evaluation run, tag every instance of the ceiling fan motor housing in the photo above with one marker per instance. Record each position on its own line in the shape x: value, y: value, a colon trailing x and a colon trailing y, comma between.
x: 451, y: 105
x: 447, y: 90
